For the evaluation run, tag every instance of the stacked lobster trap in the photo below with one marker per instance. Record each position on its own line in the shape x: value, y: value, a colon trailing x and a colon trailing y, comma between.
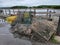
x: 28, y: 26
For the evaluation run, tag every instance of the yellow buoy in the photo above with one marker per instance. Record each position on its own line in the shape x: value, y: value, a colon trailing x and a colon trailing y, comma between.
x: 10, y: 19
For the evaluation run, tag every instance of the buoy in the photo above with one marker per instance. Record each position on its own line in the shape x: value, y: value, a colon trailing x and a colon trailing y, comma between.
x: 10, y: 19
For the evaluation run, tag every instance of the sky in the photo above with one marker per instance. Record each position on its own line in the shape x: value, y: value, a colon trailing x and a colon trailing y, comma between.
x: 9, y: 3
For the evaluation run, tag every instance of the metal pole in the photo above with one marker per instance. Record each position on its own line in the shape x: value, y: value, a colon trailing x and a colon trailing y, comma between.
x: 50, y: 15
x: 18, y: 10
x: 47, y: 12
x: 30, y: 9
x: 13, y: 11
x: 9, y: 12
x: 34, y: 11
x: 5, y: 12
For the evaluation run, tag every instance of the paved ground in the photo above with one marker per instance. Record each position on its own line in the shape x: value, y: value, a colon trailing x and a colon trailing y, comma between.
x: 6, y: 38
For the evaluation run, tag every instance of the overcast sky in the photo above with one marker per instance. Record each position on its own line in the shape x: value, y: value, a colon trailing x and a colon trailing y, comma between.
x: 9, y: 3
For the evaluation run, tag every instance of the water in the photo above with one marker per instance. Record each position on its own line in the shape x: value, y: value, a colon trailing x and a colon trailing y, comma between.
x: 37, y: 10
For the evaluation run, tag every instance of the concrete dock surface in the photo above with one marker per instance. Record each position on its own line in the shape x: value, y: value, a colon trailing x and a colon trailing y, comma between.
x: 6, y: 38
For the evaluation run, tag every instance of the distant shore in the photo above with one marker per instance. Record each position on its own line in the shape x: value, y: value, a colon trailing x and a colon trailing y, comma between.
x: 40, y: 6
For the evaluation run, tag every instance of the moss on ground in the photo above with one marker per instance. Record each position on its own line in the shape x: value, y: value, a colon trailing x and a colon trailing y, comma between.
x: 53, y: 40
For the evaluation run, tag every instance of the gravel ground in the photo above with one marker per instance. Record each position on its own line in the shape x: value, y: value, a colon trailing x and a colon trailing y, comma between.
x: 6, y: 38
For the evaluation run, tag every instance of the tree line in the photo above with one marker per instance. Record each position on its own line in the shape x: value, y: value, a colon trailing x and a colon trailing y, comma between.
x: 41, y: 6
